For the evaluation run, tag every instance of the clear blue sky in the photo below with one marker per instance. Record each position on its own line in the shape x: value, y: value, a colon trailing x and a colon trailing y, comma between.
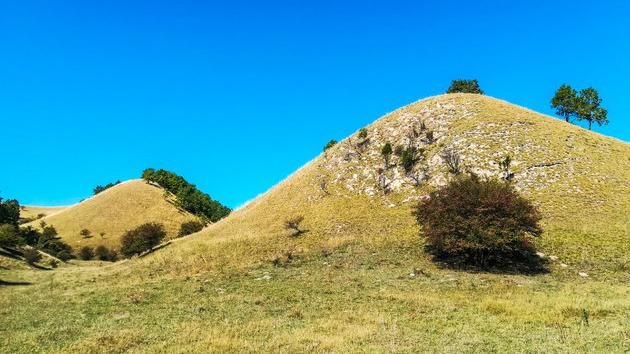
x: 236, y: 95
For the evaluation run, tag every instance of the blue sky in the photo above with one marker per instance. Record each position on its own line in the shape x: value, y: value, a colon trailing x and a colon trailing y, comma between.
x: 236, y: 95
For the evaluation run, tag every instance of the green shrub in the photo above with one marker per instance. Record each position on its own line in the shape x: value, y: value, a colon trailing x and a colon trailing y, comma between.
x: 409, y: 158
x: 9, y: 236
x: 386, y: 151
x: 188, y: 196
x: 465, y: 86
x: 86, y: 253
x: 479, y: 222
x: 102, y: 253
x: 141, y: 239
x: 50, y: 243
x: 100, y: 188
x: 330, y: 144
x: 363, y: 133
x: 32, y: 256
x: 29, y: 235
x: 190, y: 227
x: 85, y: 233
x: 9, y: 211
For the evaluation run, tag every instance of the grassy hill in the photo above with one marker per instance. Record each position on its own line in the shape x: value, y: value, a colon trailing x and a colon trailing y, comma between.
x: 579, y: 179
x: 358, y: 278
x: 33, y: 212
x: 114, y: 211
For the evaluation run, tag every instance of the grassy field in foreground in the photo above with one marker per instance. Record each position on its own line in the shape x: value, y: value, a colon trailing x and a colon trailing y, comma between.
x: 352, y: 300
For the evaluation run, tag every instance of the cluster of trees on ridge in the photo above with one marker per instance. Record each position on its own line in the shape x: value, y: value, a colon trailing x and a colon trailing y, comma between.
x: 100, y: 188
x: 188, y: 196
x: 583, y: 105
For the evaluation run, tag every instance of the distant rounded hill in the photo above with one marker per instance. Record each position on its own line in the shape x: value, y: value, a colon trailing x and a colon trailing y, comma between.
x: 349, y: 195
x: 32, y: 212
x: 113, y: 212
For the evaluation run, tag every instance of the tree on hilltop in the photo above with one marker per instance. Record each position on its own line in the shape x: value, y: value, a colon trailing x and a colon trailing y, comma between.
x: 589, y: 109
x: 583, y: 105
x: 565, y: 102
x: 465, y: 86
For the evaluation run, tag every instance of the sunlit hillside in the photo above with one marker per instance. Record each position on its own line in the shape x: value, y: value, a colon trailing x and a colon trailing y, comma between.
x: 114, y: 211
x: 357, y: 279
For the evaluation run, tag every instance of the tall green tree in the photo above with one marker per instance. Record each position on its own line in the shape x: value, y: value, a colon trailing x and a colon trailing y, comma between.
x: 9, y: 211
x: 565, y: 102
x: 589, y: 108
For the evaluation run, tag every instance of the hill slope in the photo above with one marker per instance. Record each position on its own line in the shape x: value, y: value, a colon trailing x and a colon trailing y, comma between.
x: 114, y: 211
x: 579, y: 179
x: 358, y: 279
x: 33, y: 212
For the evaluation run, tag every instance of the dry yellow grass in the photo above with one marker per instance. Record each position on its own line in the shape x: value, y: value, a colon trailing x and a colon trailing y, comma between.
x: 114, y: 211
x: 33, y: 212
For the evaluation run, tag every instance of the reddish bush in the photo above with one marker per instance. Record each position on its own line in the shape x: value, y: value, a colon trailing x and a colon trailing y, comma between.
x: 478, y: 222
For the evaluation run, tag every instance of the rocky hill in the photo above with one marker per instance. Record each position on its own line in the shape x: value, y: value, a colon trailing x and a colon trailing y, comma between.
x: 578, y: 178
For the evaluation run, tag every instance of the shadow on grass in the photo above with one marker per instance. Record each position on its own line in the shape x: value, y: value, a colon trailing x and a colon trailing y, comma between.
x: 514, y: 264
x: 298, y: 233
x: 13, y: 283
x: 40, y: 267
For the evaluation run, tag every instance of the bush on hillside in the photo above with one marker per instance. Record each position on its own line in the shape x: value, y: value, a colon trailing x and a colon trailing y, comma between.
x: 100, y: 188
x: 409, y: 158
x: 188, y: 196
x: 52, y: 244
x: 293, y: 224
x: 363, y: 133
x: 465, y: 86
x: 430, y: 137
x: 9, y: 236
x: 142, y: 238
x: 190, y: 227
x: 387, y: 151
x: 29, y: 235
x: 85, y: 233
x: 330, y: 144
x: 452, y: 161
x: 86, y: 253
x: 102, y: 253
x: 32, y: 256
x: 479, y: 222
